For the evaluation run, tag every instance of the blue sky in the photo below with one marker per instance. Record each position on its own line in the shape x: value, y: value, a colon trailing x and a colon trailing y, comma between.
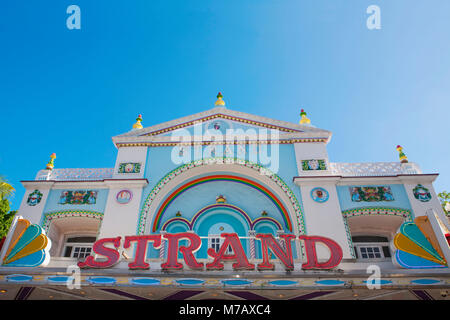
x: 69, y: 91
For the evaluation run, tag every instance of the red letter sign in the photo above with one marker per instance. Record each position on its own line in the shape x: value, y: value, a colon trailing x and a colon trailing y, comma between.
x: 188, y: 252
x: 267, y: 240
x: 335, y: 251
x: 141, y: 249
x: 231, y: 239
x: 99, y: 248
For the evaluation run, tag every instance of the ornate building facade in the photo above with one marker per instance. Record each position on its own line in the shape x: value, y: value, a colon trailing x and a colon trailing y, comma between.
x: 227, y: 205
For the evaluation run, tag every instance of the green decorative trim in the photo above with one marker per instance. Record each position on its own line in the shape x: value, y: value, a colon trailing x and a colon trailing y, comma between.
x: 374, y: 211
x: 349, y: 237
x: 48, y: 217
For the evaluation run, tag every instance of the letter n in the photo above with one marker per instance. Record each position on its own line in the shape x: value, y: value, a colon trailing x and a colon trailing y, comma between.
x: 267, y: 240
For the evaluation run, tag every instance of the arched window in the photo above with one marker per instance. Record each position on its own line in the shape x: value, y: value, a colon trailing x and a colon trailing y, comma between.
x: 369, y: 247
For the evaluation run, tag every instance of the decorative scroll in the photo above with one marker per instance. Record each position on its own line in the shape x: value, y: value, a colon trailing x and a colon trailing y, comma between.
x: 371, y: 194
x: 129, y: 167
x: 78, y: 197
x: 313, y: 164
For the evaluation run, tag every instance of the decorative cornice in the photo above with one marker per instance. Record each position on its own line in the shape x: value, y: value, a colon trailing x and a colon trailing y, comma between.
x: 195, y: 143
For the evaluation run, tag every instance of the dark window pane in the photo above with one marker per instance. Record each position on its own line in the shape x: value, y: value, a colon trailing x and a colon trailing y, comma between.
x: 67, y: 252
x: 81, y: 239
x: 386, y: 252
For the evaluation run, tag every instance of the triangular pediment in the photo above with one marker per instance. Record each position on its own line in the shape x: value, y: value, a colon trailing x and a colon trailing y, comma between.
x: 223, y: 118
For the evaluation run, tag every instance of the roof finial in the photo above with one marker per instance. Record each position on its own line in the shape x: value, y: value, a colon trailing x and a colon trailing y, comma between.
x: 304, y: 119
x: 219, y: 101
x: 51, y: 163
x: 401, y: 155
x: 138, y: 124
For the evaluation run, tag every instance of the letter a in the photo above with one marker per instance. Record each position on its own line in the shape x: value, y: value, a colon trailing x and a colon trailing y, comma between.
x: 231, y: 239
x: 73, y: 21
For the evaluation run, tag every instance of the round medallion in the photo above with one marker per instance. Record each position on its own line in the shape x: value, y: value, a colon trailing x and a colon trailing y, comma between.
x: 319, y: 194
x: 124, y: 196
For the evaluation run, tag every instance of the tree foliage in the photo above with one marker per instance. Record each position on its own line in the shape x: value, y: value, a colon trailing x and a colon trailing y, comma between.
x: 6, y: 216
x: 444, y: 198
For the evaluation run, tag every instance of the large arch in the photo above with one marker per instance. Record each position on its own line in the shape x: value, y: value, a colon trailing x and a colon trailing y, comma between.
x: 272, y: 185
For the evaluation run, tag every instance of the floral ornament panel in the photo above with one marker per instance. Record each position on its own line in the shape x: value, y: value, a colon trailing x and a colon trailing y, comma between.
x: 34, y: 198
x: 313, y: 164
x: 129, y: 167
x: 319, y: 194
x: 371, y: 194
x: 421, y: 193
x: 78, y: 197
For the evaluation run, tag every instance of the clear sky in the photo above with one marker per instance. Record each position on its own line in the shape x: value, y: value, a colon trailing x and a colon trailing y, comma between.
x: 69, y: 91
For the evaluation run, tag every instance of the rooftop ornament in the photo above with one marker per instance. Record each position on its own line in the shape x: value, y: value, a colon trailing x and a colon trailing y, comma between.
x: 219, y: 101
x: 51, y: 163
x: 401, y: 155
x: 138, y: 124
x: 304, y: 119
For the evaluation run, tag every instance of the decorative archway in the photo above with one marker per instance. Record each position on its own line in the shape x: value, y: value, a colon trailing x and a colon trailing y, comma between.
x: 292, y: 215
x: 405, y: 214
x: 230, y: 178
x: 191, y: 223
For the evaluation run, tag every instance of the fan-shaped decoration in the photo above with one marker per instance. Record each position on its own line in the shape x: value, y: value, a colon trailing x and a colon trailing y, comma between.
x: 417, y: 246
x: 28, y: 246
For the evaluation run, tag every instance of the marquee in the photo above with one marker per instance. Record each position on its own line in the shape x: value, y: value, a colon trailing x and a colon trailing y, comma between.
x: 238, y: 257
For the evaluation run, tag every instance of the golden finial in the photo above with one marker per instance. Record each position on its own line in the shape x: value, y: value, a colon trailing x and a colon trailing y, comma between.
x: 401, y: 155
x: 138, y: 124
x: 304, y: 119
x: 219, y: 101
x: 51, y: 163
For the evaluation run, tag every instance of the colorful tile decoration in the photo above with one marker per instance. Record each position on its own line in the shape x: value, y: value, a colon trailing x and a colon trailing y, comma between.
x: 129, y: 167
x: 124, y: 196
x: 34, y: 198
x: 371, y: 194
x: 421, y: 193
x: 313, y: 164
x: 78, y: 197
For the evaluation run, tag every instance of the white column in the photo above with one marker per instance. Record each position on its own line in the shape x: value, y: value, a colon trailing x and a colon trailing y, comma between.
x: 34, y: 213
x: 122, y: 219
x: 324, y: 218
